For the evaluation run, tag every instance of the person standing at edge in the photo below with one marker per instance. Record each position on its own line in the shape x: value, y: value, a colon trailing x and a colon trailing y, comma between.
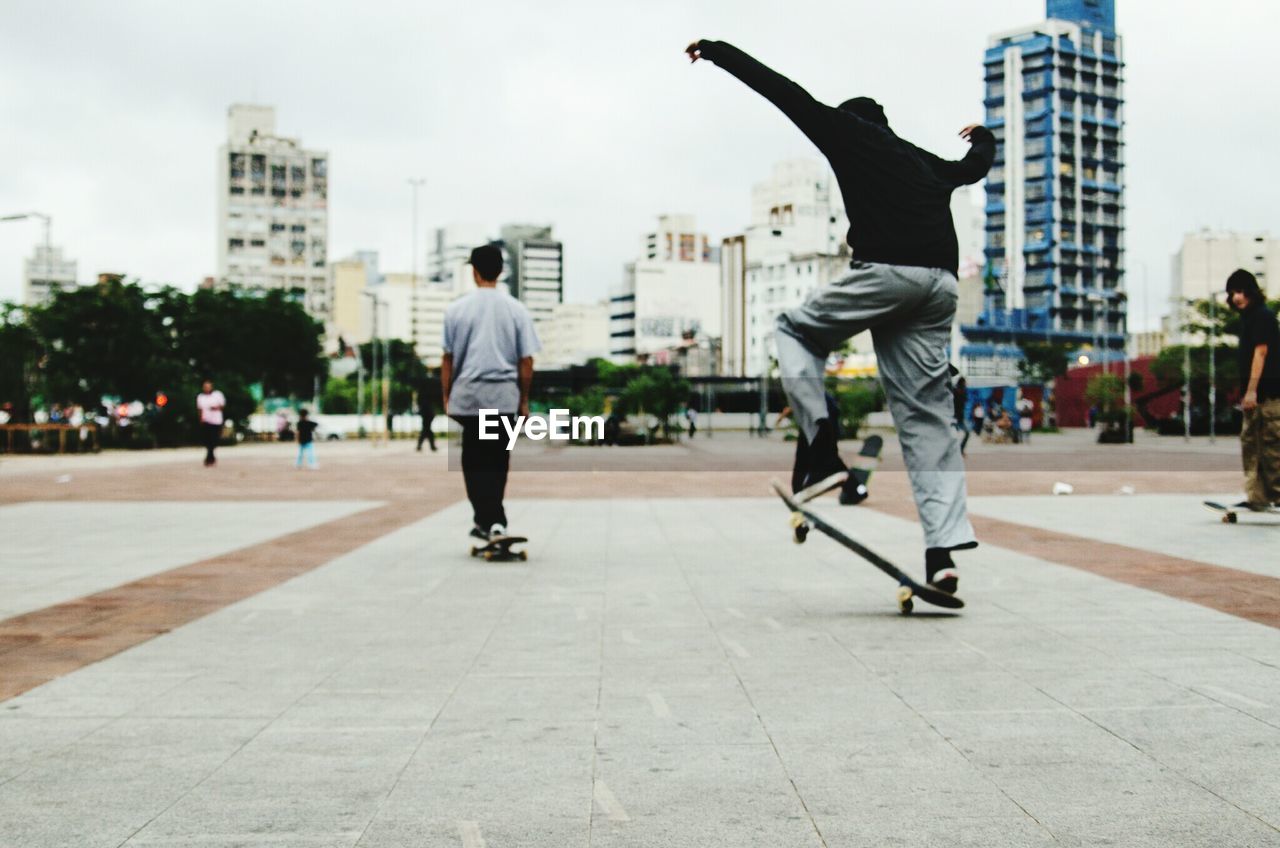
x: 427, y: 409
x: 489, y: 343
x: 210, y: 402
x: 901, y: 287
x: 1259, y: 360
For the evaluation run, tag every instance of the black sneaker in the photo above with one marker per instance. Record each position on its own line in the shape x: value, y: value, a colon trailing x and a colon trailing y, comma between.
x: 940, y: 572
x: 477, y: 532
x: 825, y: 471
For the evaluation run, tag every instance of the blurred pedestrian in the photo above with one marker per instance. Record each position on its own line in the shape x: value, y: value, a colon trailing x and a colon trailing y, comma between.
x: 306, y: 441
x: 211, y: 403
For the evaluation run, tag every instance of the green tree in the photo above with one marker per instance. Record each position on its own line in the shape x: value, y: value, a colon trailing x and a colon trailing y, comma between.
x: 103, y: 340
x: 406, y: 374
x: 119, y: 339
x: 1043, y: 362
x: 856, y: 400
x: 19, y: 358
x: 338, y: 397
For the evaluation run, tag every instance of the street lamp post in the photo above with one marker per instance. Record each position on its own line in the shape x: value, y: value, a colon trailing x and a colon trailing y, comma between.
x: 1213, y: 341
x: 373, y: 344
x: 1213, y: 384
x: 415, y: 183
x: 1186, y: 373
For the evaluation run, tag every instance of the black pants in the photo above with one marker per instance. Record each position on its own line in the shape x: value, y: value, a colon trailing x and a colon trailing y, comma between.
x: 426, y: 435
x: 485, y: 464
x: 210, y: 434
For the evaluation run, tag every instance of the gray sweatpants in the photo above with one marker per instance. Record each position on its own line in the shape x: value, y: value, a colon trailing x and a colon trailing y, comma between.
x: 909, y: 313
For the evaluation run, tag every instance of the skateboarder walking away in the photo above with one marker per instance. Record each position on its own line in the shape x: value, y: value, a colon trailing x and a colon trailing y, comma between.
x: 489, y: 343
x: 901, y: 287
x: 1259, y: 353
x: 210, y: 402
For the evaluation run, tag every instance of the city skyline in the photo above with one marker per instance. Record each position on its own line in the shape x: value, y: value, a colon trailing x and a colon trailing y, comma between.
x: 546, y: 130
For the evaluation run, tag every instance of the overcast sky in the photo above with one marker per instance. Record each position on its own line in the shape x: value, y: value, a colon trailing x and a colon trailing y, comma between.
x: 582, y: 114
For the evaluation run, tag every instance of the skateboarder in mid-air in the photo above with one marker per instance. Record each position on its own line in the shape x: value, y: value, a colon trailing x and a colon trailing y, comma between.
x: 489, y: 343
x: 901, y: 287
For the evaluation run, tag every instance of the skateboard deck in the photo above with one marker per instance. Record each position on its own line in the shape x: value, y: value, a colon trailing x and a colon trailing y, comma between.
x: 854, y: 491
x: 500, y: 549
x: 802, y: 517
x: 1231, y: 514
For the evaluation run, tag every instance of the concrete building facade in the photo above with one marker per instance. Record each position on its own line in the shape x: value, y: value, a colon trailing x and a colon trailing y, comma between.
x: 1206, y: 258
x: 672, y: 289
x: 1055, y: 248
x: 533, y: 267
x: 574, y: 334
x: 272, y: 216
x: 45, y: 272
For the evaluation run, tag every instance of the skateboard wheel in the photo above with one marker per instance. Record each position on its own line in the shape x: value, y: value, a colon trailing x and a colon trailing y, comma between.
x: 488, y: 556
x: 801, y: 533
x: 797, y: 521
x: 524, y: 556
x: 475, y: 551
x: 1231, y: 518
x: 904, y: 600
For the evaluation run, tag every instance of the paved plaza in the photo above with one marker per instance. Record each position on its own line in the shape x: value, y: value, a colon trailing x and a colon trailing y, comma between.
x: 256, y: 656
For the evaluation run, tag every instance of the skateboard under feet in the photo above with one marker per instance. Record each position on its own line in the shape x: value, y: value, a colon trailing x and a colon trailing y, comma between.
x: 499, y: 548
x: 908, y: 589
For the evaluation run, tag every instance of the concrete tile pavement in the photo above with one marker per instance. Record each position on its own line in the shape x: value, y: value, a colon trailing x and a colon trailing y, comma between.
x: 661, y: 672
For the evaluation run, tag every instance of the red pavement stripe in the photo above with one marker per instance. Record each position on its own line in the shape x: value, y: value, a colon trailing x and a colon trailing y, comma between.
x: 45, y: 644
x: 1243, y: 594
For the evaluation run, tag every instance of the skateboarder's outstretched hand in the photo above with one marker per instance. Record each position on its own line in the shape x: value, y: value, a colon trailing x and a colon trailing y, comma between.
x: 967, y: 132
x: 694, y: 50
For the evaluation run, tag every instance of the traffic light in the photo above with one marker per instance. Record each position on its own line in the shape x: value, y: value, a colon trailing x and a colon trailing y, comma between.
x: 162, y: 399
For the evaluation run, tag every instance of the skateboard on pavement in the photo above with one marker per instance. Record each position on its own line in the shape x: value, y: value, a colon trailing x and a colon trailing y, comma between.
x: 1231, y: 514
x: 499, y: 548
x: 907, y: 588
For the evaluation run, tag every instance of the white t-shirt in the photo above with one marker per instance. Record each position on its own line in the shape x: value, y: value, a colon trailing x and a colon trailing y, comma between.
x: 210, y: 406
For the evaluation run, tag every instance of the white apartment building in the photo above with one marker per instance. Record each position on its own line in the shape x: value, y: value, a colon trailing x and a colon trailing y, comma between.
x: 1205, y: 260
x: 273, y: 220
x: 673, y: 288
x: 394, y: 296
x: 45, y: 271
x: 794, y: 243
x: 574, y: 334
x: 783, y: 282
x: 797, y: 210
x: 429, y: 303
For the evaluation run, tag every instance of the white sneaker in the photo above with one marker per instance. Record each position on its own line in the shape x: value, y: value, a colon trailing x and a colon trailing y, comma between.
x: 497, y: 531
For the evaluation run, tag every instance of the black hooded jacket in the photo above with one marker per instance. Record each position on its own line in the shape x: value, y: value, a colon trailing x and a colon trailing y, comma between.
x: 897, y: 196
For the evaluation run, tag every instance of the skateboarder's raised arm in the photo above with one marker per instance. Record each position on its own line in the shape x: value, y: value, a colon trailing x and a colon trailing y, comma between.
x: 796, y: 103
x: 976, y: 163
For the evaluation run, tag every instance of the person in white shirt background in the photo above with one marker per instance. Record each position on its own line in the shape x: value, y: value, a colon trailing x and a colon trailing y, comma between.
x: 210, y: 402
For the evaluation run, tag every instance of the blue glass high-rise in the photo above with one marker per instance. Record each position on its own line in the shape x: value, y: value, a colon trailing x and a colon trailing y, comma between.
x: 1055, y: 196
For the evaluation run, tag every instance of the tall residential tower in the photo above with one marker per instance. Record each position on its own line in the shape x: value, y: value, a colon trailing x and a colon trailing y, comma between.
x: 273, y: 220
x: 1055, y: 195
